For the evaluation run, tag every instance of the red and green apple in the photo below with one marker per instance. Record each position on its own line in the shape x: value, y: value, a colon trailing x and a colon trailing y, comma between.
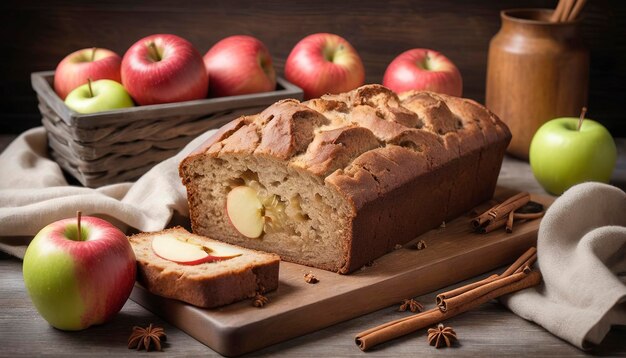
x: 239, y: 65
x: 79, y: 273
x: 77, y: 67
x: 324, y: 63
x: 164, y: 68
x: 424, y: 70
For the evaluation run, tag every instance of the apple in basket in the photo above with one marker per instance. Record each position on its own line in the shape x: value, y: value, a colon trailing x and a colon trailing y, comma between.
x: 324, y: 63
x: 423, y: 69
x: 79, y: 272
x: 164, y: 68
x: 98, y: 96
x: 239, y: 65
x: 77, y: 67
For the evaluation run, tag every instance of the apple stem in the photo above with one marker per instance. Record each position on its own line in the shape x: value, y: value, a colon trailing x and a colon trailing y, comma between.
x: 582, y: 118
x: 155, y: 51
x: 93, y: 53
x: 89, y: 85
x: 78, y: 215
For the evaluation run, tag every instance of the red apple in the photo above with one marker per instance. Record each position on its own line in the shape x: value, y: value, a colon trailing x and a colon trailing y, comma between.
x: 95, y: 63
x: 324, y: 63
x: 163, y: 69
x: 423, y: 69
x: 79, y: 272
x: 239, y: 65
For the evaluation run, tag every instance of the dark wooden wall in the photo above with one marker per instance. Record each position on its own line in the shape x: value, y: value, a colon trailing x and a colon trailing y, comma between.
x: 38, y: 34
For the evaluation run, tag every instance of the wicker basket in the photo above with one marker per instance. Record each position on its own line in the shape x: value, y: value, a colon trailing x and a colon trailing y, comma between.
x: 121, y: 145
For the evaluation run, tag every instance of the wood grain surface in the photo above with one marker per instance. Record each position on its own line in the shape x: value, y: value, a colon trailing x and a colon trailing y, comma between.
x: 38, y: 34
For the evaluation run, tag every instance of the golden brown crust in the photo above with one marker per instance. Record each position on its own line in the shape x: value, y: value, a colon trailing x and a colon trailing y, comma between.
x: 222, y: 285
x: 422, y: 149
x: 287, y: 129
x: 334, y: 149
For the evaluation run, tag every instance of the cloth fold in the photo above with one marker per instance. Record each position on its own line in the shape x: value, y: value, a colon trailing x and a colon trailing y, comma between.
x: 34, y: 192
x: 581, y: 252
x: 581, y: 244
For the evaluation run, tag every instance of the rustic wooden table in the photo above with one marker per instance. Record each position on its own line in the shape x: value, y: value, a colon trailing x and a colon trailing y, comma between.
x: 490, y: 330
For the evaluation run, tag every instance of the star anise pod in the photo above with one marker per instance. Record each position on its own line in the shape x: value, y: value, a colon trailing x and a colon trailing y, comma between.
x: 146, y: 338
x: 411, y: 304
x: 310, y: 278
x: 259, y: 300
x: 441, y: 336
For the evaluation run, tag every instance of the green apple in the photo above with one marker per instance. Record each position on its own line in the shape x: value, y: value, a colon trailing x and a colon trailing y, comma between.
x: 78, y: 275
x: 98, y: 96
x: 568, y: 151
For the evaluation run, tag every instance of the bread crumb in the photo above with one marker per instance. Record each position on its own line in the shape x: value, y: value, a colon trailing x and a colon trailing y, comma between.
x: 443, y: 225
x: 397, y: 247
x: 310, y: 278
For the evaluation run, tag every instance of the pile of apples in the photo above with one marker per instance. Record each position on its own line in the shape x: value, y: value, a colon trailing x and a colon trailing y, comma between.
x: 166, y: 68
x: 163, y: 68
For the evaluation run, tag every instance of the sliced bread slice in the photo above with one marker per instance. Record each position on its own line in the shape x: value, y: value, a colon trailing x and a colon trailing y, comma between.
x: 208, y: 284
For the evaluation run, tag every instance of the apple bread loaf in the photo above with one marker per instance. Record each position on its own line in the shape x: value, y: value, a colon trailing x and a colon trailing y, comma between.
x: 230, y: 274
x: 338, y: 181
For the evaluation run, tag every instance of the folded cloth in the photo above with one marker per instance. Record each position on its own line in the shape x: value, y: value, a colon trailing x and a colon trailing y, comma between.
x: 34, y: 192
x: 581, y: 252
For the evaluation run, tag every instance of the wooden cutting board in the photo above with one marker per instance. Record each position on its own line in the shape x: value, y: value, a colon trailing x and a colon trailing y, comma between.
x: 453, y: 253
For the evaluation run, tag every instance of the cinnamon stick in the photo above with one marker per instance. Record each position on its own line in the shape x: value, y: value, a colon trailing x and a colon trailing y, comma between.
x: 513, y: 203
x: 391, y: 330
x: 448, y: 304
x: 576, y: 10
x: 460, y: 290
x: 509, y: 222
x: 527, y: 259
x: 556, y: 15
x: 521, y: 261
x: 569, y: 5
x: 492, y: 225
x: 499, y: 211
x: 527, y: 265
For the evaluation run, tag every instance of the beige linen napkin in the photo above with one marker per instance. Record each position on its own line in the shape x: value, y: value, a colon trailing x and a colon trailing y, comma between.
x: 34, y: 193
x: 581, y: 249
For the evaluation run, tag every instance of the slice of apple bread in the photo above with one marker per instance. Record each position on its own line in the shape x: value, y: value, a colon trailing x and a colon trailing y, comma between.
x: 168, y: 266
